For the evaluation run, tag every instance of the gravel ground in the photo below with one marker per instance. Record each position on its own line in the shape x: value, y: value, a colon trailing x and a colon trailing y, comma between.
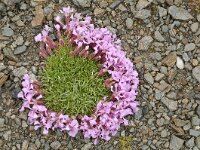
x: 162, y: 37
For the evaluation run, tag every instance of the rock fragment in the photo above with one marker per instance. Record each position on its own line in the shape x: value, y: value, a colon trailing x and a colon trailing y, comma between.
x: 143, y: 14
x: 145, y: 43
x: 179, y: 13
x: 39, y: 16
x: 176, y: 143
x: 196, y: 73
x: 170, y: 59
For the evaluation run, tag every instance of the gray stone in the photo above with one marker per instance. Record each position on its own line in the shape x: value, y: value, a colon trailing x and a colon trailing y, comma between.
x: 158, y: 36
x: 2, y: 122
x: 196, y: 73
x: 195, y: 121
x: 19, y: 40
x: 190, y: 143
x: 143, y: 14
x: 148, y: 77
x: 87, y: 146
x: 7, y: 135
x: 129, y: 23
x: 82, y: 3
x: 145, y: 43
x: 156, y: 56
x: 197, y: 142
x: 25, y: 145
x: 139, y: 114
x: 172, y: 105
x: 194, y: 133
x: 194, y: 27
x: 2, y: 67
x: 115, y: 3
x: 55, y: 145
x: 7, y: 31
x: 176, y: 143
x: 165, y: 28
x: 189, y: 47
x: 162, y: 11
x: 179, y: 13
x: 142, y: 4
x: 164, y: 133
x: 20, y: 50
x: 9, y: 54
x: 185, y: 57
x: 198, y: 17
x: 19, y: 72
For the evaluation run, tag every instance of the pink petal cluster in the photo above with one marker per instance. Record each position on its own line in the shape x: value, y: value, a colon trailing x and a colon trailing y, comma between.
x: 108, y: 115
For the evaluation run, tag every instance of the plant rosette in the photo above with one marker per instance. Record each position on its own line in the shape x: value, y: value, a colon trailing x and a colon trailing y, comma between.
x: 80, y: 42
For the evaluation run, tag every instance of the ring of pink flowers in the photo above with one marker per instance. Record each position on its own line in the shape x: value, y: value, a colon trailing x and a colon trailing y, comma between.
x: 108, y: 116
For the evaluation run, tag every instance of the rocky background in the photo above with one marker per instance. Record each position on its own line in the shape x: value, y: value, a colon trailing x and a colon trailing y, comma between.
x: 162, y: 37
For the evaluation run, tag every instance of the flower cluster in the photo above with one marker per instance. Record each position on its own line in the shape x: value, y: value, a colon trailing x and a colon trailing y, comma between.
x: 123, y: 83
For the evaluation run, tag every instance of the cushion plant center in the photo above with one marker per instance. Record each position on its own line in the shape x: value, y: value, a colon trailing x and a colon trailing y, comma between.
x: 71, y: 84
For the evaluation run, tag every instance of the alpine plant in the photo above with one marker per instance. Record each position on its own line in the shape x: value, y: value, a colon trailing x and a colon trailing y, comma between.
x: 98, y: 44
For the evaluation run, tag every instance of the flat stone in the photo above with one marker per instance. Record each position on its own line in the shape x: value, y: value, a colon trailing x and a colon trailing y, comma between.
x: 7, y: 31
x: 162, y: 11
x: 9, y: 54
x: 143, y: 14
x: 179, y: 63
x: 39, y: 16
x: 20, y: 50
x: 156, y: 56
x: 115, y: 3
x: 197, y: 142
x: 172, y: 105
x: 55, y: 145
x: 145, y: 43
x: 176, y: 143
x: 19, y: 40
x: 99, y: 12
x: 190, y: 143
x: 158, y: 36
x: 159, y: 76
x: 148, y: 77
x: 82, y: 3
x: 179, y: 122
x: 142, y: 4
x: 3, y: 79
x: 19, y: 72
x: 170, y: 59
x: 179, y: 13
x: 194, y: 27
x: 195, y: 121
x: 194, y: 133
x: 129, y: 23
x: 196, y: 73
x: 189, y: 47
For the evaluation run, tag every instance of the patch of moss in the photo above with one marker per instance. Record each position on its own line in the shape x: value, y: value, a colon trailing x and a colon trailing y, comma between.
x: 70, y: 84
x: 125, y: 143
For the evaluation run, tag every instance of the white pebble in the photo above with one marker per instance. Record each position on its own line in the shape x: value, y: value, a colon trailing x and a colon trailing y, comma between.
x: 179, y: 63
